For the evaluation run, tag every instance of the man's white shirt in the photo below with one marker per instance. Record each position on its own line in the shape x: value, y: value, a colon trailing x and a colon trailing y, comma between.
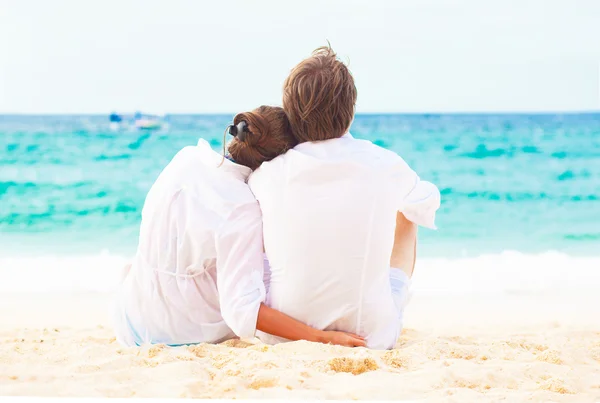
x: 329, y: 212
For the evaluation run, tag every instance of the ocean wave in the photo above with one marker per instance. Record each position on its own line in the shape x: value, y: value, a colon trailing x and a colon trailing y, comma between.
x: 104, y: 157
x: 515, y: 196
x: 506, y: 273
x: 583, y: 237
x: 482, y: 151
x: 139, y: 142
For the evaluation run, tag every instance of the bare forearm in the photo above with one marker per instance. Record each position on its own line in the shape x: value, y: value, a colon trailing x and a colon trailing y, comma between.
x: 405, y: 245
x: 278, y: 324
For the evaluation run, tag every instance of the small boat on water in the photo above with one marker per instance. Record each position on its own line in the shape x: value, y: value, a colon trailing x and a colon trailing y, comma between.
x: 116, y: 121
x: 138, y: 120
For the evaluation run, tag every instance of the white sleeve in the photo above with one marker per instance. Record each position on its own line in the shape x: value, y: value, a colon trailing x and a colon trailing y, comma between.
x: 419, y: 200
x: 239, y: 247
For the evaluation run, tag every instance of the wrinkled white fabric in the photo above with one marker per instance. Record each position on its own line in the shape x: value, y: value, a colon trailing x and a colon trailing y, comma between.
x: 201, y: 231
x: 329, y: 213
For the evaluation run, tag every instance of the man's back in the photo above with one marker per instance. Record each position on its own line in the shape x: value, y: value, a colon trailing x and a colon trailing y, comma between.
x: 329, y: 211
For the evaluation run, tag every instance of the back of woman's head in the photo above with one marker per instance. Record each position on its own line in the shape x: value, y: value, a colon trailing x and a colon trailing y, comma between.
x: 265, y: 135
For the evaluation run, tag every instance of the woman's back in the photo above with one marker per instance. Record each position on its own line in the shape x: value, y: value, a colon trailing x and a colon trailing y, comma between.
x: 170, y: 294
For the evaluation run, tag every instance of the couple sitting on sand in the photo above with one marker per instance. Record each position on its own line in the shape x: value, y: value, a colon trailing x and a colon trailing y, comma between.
x: 299, y: 232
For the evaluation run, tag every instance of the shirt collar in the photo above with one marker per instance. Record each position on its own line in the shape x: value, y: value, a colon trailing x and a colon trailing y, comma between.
x: 347, y: 135
x: 216, y: 160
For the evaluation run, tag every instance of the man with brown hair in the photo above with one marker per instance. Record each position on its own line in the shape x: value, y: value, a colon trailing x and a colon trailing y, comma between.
x: 319, y: 97
x: 339, y: 213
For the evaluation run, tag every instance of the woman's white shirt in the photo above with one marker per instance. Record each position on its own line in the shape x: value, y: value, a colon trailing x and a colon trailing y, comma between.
x: 198, y: 272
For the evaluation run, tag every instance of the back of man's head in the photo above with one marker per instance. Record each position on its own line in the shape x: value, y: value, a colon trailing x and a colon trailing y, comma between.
x: 319, y: 97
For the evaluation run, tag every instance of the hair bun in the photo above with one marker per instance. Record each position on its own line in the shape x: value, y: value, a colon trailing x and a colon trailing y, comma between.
x: 256, y: 125
x: 266, y: 136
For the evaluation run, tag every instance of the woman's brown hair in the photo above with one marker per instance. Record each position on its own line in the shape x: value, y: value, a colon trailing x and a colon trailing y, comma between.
x: 268, y: 134
x: 319, y: 97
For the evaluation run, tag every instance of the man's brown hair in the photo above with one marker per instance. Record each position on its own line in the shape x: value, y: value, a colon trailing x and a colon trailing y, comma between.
x: 268, y: 135
x: 319, y: 97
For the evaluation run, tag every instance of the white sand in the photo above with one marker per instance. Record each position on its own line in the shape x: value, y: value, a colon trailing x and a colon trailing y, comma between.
x: 535, y: 348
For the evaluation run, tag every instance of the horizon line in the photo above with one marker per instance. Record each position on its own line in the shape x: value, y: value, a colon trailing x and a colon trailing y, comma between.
x: 525, y: 112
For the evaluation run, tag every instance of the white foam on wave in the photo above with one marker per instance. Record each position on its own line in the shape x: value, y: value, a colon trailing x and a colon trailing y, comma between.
x: 91, y: 273
x: 507, y: 273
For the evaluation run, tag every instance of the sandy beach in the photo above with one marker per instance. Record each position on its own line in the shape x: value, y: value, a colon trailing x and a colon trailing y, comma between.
x: 453, y: 348
x: 162, y: 134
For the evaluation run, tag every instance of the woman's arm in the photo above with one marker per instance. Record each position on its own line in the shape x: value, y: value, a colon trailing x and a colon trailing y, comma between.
x: 276, y: 323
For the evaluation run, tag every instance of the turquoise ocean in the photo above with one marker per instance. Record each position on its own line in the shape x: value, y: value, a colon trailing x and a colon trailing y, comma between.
x: 509, y: 182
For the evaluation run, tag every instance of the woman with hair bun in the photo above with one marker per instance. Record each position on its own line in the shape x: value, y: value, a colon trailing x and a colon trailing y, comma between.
x: 198, y: 272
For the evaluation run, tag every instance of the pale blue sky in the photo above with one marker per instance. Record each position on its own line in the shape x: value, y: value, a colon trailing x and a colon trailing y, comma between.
x: 92, y: 56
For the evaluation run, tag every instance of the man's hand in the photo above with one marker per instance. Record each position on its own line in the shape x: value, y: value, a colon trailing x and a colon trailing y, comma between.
x: 343, y: 339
